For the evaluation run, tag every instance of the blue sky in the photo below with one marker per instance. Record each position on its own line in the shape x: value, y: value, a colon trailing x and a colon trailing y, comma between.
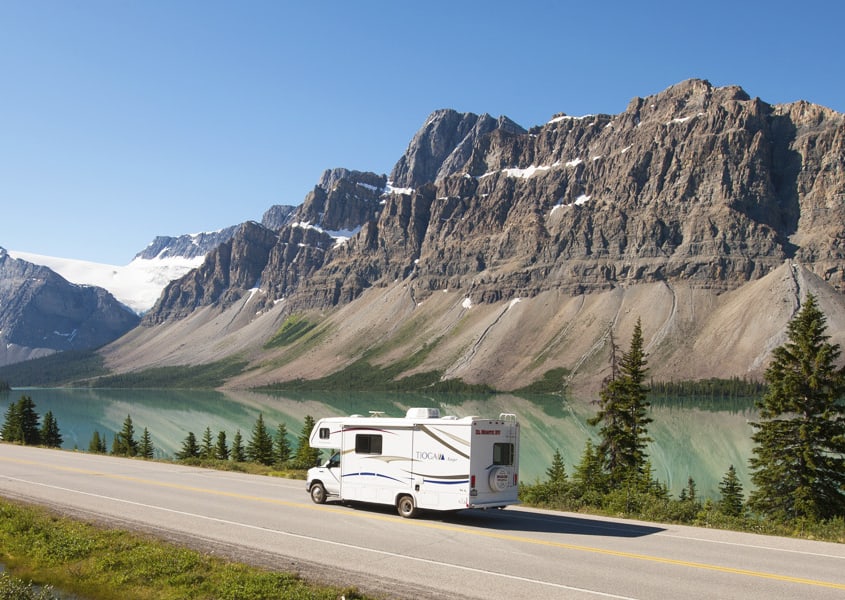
x: 121, y: 121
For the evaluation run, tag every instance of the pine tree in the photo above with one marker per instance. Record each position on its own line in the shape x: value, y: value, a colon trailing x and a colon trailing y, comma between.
x: 12, y: 431
x: 260, y: 446
x: 589, y: 474
x: 557, y: 471
x: 30, y: 431
x: 798, y: 466
x: 49, y: 434
x: 623, y: 413
x: 125, y: 443
x: 190, y: 449
x: 221, y: 450
x: 146, y: 448
x: 96, y: 443
x: 281, y: 444
x: 731, y: 499
x: 238, y: 454
x: 207, y: 447
x: 306, y: 456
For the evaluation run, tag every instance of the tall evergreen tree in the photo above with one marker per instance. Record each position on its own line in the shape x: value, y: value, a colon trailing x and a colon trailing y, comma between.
x: 260, y: 446
x: 730, y: 490
x: 11, y: 430
x: 221, y: 449
x: 145, y: 447
x: 557, y: 470
x: 207, y: 447
x: 623, y: 414
x: 50, y: 435
x: 306, y: 456
x: 30, y: 431
x: 589, y: 474
x: 238, y: 454
x: 124, y: 443
x: 190, y: 448
x: 798, y: 466
x: 96, y: 445
x: 281, y: 444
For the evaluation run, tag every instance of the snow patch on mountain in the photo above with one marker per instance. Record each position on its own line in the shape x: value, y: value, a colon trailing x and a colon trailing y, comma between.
x: 137, y: 285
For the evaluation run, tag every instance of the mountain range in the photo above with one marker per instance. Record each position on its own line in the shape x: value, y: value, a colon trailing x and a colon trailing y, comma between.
x: 497, y: 255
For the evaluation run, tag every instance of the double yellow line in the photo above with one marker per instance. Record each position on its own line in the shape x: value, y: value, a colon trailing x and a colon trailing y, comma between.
x: 446, y: 527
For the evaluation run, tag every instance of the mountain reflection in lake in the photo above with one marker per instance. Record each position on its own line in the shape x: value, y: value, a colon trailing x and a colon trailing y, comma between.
x: 699, y: 440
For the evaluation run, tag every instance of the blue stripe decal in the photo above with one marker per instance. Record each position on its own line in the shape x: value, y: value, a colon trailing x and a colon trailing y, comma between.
x: 460, y: 482
x: 363, y: 474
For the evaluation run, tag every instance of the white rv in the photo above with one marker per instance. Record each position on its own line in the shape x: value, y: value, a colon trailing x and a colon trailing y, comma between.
x: 421, y: 461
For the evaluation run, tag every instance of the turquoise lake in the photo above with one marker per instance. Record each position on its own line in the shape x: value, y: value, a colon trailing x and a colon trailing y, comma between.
x: 700, y: 440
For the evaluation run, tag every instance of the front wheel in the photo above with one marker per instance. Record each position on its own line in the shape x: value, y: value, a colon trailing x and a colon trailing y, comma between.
x: 318, y: 493
x: 406, y: 507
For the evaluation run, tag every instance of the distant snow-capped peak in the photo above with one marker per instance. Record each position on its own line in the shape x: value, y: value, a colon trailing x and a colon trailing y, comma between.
x: 137, y: 285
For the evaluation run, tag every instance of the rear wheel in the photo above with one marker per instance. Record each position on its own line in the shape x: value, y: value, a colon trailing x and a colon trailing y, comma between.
x: 318, y: 493
x: 405, y: 507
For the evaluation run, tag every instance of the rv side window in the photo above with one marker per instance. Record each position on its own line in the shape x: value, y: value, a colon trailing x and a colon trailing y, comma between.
x: 324, y: 433
x: 502, y: 454
x: 367, y: 444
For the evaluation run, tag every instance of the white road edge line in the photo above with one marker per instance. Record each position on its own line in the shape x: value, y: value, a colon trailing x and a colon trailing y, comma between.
x: 329, y: 542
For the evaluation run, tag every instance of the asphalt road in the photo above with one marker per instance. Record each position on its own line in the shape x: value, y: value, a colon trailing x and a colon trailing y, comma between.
x: 512, y: 553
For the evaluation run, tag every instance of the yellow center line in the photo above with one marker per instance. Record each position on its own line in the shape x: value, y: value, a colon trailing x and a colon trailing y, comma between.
x: 444, y: 527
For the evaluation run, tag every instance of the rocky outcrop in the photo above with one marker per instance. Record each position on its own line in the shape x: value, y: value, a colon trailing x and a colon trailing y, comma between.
x: 696, y: 184
x: 186, y: 246
x: 444, y: 144
x: 42, y: 313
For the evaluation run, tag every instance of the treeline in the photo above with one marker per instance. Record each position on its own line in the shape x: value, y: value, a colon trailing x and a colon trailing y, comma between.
x: 22, y: 425
x: 735, y: 388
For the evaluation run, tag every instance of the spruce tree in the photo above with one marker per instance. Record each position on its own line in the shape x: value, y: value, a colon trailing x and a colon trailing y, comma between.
x: 798, y: 466
x: 221, y: 449
x: 260, y: 446
x: 306, y: 456
x: 623, y: 413
x: 589, y: 474
x: 145, y: 447
x: 11, y: 430
x: 50, y: 435
x: 557, y: 471
x: 95, y: 444
x: 125, y: 443
x: 730, y: 489
x: 190, y: 449
x: 238, y: 454
x: 281, y: 444
x: 207, y: 447
x: 29, y: 429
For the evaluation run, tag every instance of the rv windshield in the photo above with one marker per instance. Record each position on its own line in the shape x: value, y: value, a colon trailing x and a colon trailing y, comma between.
x: 334, y: 461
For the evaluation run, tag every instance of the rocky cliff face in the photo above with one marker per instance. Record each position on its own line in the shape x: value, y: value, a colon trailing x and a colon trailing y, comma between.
x: 696, y: 183
x: 42, y: 313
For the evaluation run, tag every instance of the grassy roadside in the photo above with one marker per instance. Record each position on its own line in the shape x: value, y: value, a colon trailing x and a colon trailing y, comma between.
x: 105, y: 564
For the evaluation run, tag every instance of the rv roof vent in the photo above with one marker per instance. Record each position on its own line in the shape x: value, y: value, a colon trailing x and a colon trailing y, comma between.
x: 423, y: 413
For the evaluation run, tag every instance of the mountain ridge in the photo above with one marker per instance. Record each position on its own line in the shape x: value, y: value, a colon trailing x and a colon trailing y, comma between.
x: 689, y: 203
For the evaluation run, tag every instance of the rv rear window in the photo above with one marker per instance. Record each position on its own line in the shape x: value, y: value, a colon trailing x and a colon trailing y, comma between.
x: 324, y: 433
x: 367, y: 444
x: 502, y: 454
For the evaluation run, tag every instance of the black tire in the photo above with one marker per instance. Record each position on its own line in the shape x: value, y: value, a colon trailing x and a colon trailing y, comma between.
x: 405, y: 507
x: 318, y: 493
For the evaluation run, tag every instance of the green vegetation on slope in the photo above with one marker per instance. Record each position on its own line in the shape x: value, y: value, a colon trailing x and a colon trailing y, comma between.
x: 206, y: 376
x: 55, y: 370
x: 102, y: 564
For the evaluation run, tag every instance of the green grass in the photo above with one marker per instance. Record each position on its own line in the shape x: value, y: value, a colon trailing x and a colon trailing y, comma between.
x: 294, y: 328
x: 105, y: 564
x: 552, y: 382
